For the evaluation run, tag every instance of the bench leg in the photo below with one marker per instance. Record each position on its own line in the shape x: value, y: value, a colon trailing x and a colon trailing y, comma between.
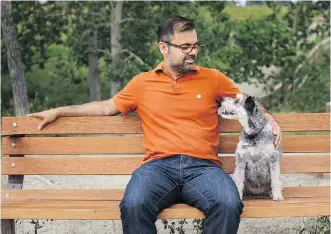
x: 8, y: 226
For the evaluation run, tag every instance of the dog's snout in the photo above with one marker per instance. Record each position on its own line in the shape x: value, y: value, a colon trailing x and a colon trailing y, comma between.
x: 226, y: 105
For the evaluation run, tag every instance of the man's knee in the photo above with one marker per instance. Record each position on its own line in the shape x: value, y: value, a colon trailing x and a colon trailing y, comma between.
x: 135, y: 204
x: 232, y: 204
x: 132, y: 203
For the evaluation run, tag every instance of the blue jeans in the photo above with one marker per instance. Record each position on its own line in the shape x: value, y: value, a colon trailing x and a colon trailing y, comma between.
x: 160, y: 183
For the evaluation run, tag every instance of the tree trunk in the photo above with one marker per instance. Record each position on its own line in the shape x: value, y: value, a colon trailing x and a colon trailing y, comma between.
x: 15, y: 63
x: 93, y: 65
x: 116, y: 47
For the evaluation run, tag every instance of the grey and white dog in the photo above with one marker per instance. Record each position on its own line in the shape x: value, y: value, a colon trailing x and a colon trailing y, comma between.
x: 257, y: 170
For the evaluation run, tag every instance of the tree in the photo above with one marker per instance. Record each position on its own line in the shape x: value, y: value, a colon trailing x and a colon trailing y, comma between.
x: 37, y: 26
x: 14, y: 58
x: 283, y: 40
x: 86, y: 38
x: 116, y: 84
x: 93, y: 62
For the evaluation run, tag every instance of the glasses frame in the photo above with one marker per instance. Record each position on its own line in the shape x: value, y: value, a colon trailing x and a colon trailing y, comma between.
x: 198, y: 47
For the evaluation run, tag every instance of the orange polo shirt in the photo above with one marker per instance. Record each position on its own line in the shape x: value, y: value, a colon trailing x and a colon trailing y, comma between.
x: 178, y: 117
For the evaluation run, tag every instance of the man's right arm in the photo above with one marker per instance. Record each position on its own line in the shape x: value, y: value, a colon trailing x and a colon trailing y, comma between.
x: 106, y: 107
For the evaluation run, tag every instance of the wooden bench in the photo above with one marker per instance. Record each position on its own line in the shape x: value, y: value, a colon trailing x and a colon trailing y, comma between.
x: 24, y: 149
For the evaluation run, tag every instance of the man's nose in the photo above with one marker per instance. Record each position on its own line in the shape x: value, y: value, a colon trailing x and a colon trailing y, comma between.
x: 194, y: 51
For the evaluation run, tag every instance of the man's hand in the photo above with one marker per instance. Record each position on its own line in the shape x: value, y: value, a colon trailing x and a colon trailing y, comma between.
x: 48, y: 116
x: 95, y: 108
x: 277, y: 131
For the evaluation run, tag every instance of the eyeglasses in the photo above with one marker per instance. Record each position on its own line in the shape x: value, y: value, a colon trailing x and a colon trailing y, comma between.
x: 186, y: 48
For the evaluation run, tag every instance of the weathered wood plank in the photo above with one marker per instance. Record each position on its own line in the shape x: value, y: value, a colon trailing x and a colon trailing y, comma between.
x: 126, y: 166
x: 134, y: 145
x: 117, y: 194
x: 105, y: 210
x: 132, y: 124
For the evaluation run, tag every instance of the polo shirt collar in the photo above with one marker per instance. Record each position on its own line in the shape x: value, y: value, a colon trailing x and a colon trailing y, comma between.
x: 159, y: 68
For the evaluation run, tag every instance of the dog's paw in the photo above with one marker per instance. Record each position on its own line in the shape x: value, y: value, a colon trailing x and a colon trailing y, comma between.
x: 278, y: 197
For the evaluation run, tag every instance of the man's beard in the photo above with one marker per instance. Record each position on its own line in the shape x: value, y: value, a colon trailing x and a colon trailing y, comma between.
x: 183, y: 67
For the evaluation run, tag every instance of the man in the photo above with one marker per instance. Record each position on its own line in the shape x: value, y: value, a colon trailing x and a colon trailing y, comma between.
x: 177, y: 103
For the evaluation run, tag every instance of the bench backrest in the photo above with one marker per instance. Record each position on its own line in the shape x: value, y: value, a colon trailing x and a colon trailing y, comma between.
x: 121, y: 136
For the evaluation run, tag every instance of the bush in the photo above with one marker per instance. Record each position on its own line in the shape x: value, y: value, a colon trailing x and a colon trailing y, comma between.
x: 319, y: 225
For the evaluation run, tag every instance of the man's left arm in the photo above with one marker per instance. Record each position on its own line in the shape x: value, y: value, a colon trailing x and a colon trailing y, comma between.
x: 276, y: 130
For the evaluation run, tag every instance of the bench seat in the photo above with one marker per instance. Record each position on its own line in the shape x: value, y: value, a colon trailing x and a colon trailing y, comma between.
x: 103, y: 204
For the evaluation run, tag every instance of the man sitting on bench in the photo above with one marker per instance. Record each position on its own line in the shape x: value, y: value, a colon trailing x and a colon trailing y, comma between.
x: 177, y: 103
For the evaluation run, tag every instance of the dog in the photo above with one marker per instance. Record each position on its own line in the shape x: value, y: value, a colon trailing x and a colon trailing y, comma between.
x: 257, y: 170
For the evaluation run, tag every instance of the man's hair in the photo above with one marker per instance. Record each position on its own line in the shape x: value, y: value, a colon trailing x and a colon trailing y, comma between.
x: 172, y: 25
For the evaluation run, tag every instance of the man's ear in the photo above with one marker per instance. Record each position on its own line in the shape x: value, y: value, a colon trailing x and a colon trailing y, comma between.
x: 163, y: 48
x: 250, y: 104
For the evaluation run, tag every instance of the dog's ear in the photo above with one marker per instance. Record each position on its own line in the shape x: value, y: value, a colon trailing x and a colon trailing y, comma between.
x: 250, y: 104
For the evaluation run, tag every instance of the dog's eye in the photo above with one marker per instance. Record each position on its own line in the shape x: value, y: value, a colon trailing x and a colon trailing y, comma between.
x: 237, y: 101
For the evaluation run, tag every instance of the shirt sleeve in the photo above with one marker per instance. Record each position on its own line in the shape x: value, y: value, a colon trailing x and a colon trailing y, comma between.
x: 126, y: 99
x: 226, y: 87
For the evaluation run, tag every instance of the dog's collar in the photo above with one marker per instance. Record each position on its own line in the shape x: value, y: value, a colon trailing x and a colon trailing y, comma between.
x: 256, y: 133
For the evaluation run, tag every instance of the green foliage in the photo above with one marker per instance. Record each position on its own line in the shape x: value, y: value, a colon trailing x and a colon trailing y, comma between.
x: 319, y: 225
x: 314, y: 225
x: 61, y: 83
x: 85, y: 17
x: 197, y: 226
x: 241, y: 42
x: 38, y: 26
x: 66, y: 84
x: 311, y: 96
x: 250, y: 12
x: 284, y: 40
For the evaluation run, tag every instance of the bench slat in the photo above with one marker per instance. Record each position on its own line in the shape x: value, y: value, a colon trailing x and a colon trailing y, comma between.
x: 131, y: 124
x: 134, y: 145
x: 74, y: 204
x: 105, y: 210
x: 117, y: 194
x: 126, y: 166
